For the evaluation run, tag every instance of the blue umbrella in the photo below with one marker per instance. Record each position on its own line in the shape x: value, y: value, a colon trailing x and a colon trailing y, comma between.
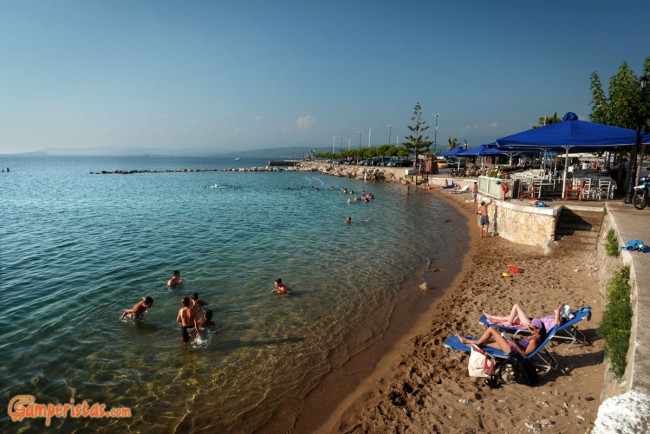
x: 572, y: 134
x: 453, y: 152
x: 489, y: 149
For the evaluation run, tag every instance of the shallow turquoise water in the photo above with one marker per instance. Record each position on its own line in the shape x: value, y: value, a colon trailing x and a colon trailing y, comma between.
x: 78, y: 248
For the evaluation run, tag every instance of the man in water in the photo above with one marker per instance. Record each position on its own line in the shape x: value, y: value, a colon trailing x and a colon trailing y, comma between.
x: 187, y: 318
x: 485, y: 220
x: 281, y: 288
x: 175, y: 280
x: 139, y: 309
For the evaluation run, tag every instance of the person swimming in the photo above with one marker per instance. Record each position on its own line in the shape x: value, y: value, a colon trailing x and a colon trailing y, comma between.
x: 139, y: 309
x: 280, y: 288
x: 175, y: 280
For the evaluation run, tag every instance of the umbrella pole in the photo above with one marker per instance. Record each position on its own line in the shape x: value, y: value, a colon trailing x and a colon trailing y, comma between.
x: 566, y: 171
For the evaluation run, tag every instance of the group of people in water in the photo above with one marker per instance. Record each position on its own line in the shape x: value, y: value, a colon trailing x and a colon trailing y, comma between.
x: 365, y: 197
x: 189, y: 315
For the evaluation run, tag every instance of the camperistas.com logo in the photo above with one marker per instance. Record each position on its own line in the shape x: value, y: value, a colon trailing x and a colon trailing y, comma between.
x: 23, y: 407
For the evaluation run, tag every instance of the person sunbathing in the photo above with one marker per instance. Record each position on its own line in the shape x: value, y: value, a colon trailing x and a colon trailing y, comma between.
x: 518, y: 317
x: 494, y: 339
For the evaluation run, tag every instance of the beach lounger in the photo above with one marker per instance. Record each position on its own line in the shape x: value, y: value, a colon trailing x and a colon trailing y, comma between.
x: 541, y: 358
x: 568, y: 331
x: 462, y: 190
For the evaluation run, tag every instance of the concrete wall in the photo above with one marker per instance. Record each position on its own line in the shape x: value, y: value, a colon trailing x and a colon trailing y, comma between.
x: 524, y: 224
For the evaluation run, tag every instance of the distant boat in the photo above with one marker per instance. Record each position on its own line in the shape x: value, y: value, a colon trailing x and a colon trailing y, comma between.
x: 237, y: 159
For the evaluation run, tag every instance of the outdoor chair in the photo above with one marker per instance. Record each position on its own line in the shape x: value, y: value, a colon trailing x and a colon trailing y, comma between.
x: 526, y: 189
x: 605, y: 189
x: 567, y: 332
x: 575, y: 190
x: 541, y: 358
x: 587, y: 192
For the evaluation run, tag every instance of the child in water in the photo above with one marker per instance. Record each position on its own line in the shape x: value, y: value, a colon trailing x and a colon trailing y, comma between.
x: 280, y: 288
x: 139, y: 309
x: 175, y: 280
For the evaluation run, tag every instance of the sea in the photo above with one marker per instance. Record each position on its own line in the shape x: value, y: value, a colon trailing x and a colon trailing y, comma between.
x: 77, y: 247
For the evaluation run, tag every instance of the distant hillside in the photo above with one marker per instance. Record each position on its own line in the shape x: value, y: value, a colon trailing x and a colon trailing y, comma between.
x: 270, y: 153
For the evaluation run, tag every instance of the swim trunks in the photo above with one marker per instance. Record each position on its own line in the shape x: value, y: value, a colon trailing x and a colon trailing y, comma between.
x: 485, y: 220
x: 186, y: 331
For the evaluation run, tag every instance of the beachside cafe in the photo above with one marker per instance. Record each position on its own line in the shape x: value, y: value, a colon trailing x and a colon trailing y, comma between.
x: 557, y: 179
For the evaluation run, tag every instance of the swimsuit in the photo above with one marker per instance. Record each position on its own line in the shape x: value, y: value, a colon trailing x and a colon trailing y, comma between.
x: 484, y: 220
x: 185, y: 332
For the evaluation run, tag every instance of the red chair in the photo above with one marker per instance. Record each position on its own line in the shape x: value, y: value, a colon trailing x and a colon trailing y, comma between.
x: 578, y: 190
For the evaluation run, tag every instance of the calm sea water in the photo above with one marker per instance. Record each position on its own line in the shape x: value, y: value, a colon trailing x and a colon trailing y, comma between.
x: 77, y: 248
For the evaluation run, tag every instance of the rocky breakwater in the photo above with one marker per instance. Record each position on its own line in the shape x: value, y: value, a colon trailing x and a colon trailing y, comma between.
x: 356, y: 172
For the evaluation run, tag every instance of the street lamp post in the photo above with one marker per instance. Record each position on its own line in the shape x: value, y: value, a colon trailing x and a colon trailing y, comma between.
x: 435, y: 134
x: 632, y: 178
x: 390, y: 130
x: 644, y: 86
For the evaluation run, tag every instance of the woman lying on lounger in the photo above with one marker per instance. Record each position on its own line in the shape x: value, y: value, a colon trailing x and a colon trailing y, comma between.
x: 519, y: 317
x: 524, y: 346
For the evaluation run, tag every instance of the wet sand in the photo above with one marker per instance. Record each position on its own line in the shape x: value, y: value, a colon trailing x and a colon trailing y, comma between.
x: 419, y: 386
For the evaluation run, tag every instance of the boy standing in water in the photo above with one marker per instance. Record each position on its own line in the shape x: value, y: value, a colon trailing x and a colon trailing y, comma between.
x: 206, y: 321
x: 139, y: 309
x: 187, y: 318
x: 485, y: 220
x: 175, y: 280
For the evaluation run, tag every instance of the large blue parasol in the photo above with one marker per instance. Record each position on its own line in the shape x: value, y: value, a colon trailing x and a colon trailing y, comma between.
x: 572, y: 134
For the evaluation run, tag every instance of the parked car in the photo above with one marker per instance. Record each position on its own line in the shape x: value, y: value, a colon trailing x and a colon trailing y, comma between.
x: 442, y: 163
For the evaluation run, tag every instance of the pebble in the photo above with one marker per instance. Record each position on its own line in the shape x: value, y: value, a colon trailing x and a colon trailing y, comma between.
x: 464, y: 401
x: 546, y: 422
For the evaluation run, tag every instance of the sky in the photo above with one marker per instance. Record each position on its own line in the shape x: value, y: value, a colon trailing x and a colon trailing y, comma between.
x: 224, y: 75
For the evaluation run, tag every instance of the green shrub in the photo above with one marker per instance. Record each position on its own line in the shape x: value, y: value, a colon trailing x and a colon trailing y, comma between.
x: 611, y: 244
x: 616, y: 324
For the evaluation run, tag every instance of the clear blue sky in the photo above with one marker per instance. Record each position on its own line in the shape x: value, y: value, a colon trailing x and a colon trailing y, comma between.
x: 189, y: 75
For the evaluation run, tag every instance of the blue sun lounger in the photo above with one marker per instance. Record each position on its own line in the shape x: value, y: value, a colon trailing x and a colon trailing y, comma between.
x: 568, y: 331
x: 541, y: 357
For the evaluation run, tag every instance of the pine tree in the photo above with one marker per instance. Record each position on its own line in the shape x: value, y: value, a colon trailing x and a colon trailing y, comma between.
x: 415, y: 142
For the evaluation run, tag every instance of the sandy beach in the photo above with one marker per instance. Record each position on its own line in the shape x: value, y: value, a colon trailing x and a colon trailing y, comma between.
x: 422, y: 387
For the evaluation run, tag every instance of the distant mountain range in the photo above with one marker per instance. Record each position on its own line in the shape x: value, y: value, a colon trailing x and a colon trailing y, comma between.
x: 284, y: 152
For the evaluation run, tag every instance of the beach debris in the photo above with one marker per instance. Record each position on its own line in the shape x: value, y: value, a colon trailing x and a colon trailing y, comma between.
x: 433, y: 270
x: 547, y: 422
x: 424, y: 286
x: 464, y: 401
x: 504, y: 274
x: 513, y: 269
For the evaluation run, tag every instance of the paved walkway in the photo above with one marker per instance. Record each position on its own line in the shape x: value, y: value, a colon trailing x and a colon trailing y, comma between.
x: 632, y: 224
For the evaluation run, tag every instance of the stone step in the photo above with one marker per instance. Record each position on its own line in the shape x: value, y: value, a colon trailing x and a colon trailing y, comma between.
x: 565, y: 227
x: 578, y: 233
x: 577, y: 242
x: 579, y: 230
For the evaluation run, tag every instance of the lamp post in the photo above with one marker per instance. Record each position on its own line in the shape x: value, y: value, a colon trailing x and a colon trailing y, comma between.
x: 435, y: 134
x: 390, y: 130
x: 644, y: 115
x: 632, y: 176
